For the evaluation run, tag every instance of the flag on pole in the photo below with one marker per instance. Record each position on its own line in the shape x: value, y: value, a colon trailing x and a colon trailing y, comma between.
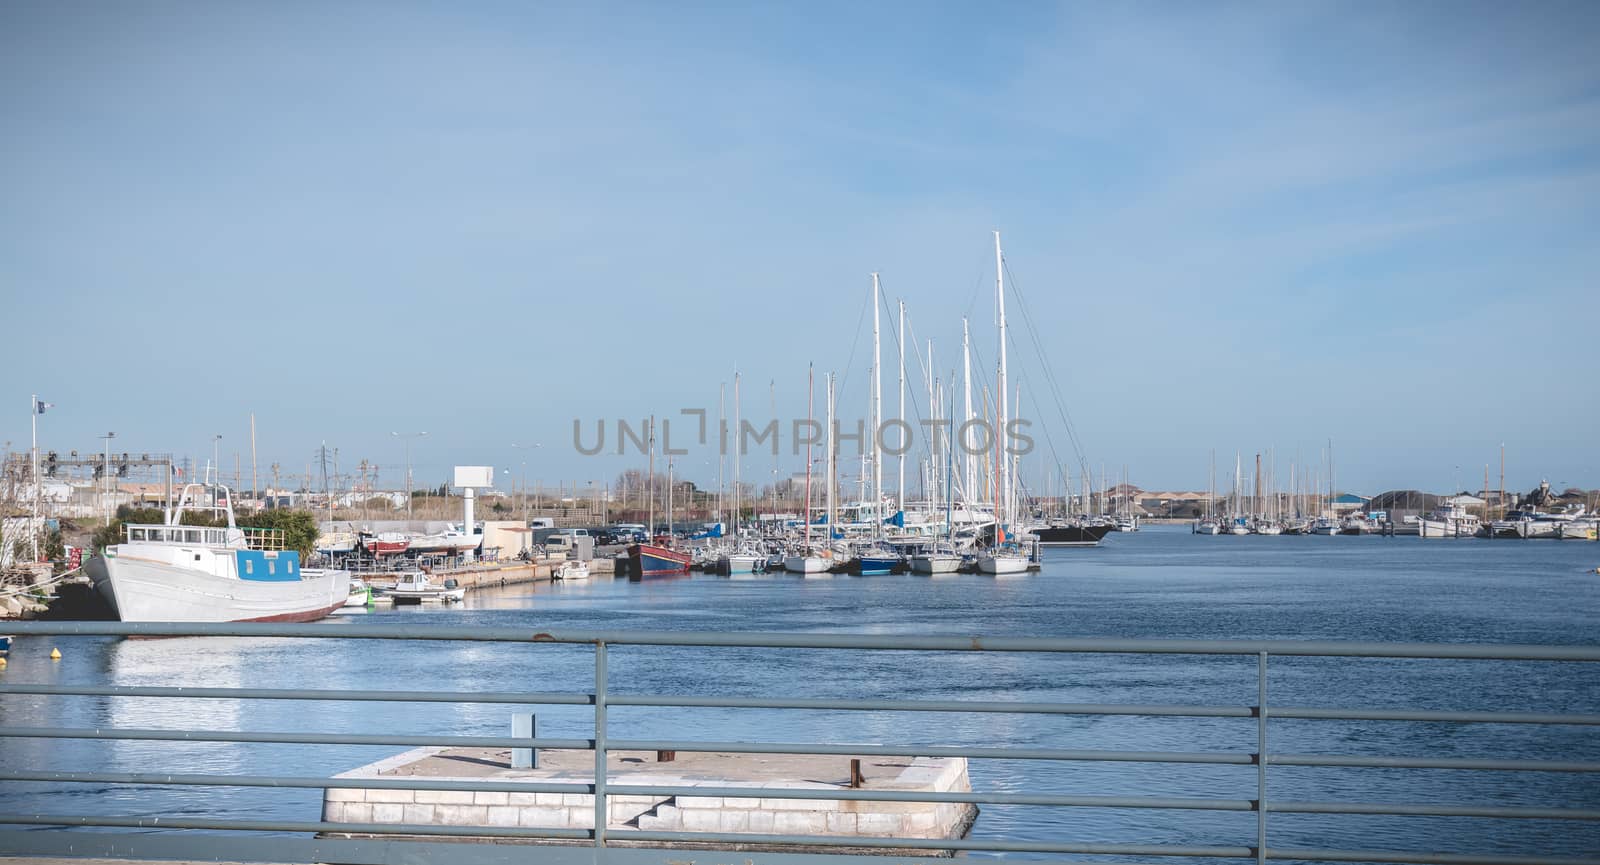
x: 40, y: 405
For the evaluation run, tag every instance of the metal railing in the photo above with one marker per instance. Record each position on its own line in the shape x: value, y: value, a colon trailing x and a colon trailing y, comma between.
x: 247, y: 840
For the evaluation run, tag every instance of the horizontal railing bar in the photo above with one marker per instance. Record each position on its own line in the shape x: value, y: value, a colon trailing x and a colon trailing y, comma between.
x: 1411, y: 858
x: 931, y: 706
x: 855, y: 795
x: 409, y: 782
x: 291, y: 738
x: 1304, y: 712
x: 934, y: 844
x: 1507, y: 812
x: 1000, y: 707
x: 192, y: 847
x: 930, y: 751
x: 299, y: 694
x: 1347, y: 761
x: 289, y: 826
x: 976, y: 643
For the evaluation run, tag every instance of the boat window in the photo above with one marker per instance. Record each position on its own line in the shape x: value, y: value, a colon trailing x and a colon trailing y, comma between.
x: 135, y: 534
x: 272, y: 567
x: 191, y: 536
x: 249, y: 567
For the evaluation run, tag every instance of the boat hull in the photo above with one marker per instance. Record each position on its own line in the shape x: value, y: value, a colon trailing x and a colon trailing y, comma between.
x: 1002, y: 564
x: 935, y: 563
x: 1072, y: 536
x: 144, y: 590
x: 806, y: 564
x: 648, y: 560
x: 1427, y: 528
x: 740, y: 563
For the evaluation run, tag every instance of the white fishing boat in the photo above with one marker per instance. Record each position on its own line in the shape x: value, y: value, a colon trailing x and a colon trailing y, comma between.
x: 572, y: 569
x: 416, y: 587
x: 1448, y: 521
x: 1208, y: 527
x: 181, y: 573
x: 1325, y: 526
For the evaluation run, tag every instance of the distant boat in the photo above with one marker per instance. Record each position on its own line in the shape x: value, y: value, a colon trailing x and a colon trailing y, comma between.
x: 571, y: 569
x: 740, y: 563
x: 450, y: 541
x: 1267, y: 527
x: 1000, y: 560
x: 649, y: 560
x: 1325, y: 526
x: 416, y: 588
x: 337, y: 543
x: 384, y: 543
x: 360, y: 594
x: 807, y: 564
x: 5, y: 643
x: 180, y: 573
x: 938, y: 559
x: 1072, y: 534
x: 1208, y: 526
x: 1448, y: 521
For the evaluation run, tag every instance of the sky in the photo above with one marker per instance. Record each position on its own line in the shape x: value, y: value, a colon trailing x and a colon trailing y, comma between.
x: 1233, y: 227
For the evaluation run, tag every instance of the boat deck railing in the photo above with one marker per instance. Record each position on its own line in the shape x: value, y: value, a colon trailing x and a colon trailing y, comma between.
x: 141, y: 835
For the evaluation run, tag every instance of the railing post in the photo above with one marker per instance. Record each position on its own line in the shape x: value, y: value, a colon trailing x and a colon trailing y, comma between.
x: 600, y: 807
x: 1261, y: 758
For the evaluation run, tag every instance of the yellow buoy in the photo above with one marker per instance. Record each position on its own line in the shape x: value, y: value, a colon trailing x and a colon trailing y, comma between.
x: 2, y: 663
x: 55, y: 654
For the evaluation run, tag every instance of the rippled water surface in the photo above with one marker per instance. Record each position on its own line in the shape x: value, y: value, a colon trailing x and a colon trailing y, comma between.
x: 1160, y: 583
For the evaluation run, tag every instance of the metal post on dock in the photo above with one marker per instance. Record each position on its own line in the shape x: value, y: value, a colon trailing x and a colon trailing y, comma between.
x: 600, y: 808
x: 524, y: 725
x: 1261, y: 758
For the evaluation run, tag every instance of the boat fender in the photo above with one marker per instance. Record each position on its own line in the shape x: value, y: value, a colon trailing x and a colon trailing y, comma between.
x: 2, y: 663
x: 55, y: 654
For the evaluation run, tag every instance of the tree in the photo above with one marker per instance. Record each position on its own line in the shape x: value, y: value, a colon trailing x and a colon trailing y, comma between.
x: 299, y: 528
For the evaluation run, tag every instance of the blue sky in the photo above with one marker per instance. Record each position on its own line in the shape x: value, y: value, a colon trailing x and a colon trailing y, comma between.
x: 1236, y: 226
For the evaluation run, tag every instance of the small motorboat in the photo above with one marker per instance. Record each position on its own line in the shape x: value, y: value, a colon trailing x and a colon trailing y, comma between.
x: 416, y: 588
x: 5, y: 643
x: 571, y: 570
x: 360, y: 594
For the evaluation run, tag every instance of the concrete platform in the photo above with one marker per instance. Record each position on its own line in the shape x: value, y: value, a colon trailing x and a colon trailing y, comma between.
x: 757, y: 814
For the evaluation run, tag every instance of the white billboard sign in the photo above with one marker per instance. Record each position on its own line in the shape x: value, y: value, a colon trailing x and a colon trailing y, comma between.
x: 481, y: 477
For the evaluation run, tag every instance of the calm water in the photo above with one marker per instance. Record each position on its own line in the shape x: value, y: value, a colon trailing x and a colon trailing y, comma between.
x: 1157, y: 583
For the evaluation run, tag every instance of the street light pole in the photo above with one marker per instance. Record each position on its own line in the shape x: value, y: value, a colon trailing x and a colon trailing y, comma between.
x: 216, y: 457
x: 534, y: 446
x: 407, y: 437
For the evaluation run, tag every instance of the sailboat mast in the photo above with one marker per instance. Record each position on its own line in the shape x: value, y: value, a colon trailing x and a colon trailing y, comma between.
x: 930, y: 493
x: 876, y: 423
x: 900, y: 500
x: 970, y: 481
x: 650, y: 485
x: 1000, y: 301
x: 831, y: 470
x: 738, y: 454
x: 805, y: 508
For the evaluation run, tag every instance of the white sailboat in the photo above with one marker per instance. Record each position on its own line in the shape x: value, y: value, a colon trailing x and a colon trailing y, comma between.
x: 806, y: 560
x: 1000, y: 558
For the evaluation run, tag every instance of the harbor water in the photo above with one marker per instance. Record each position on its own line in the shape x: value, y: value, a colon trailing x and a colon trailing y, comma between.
x: 1158, y: 583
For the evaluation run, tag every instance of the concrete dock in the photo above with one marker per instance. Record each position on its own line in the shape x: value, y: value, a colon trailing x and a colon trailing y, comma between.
x: 763, y: 814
